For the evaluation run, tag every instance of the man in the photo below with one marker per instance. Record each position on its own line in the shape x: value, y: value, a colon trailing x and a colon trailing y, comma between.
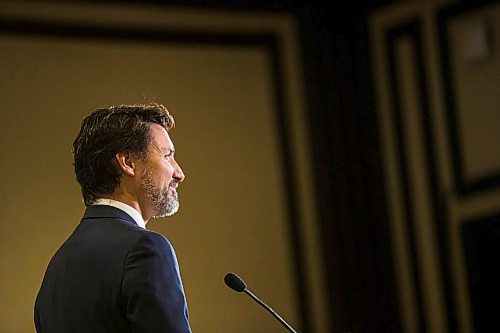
x: 112, y: 274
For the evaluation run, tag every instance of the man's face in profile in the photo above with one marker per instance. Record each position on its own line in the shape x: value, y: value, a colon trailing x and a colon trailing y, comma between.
x: 160, y: 175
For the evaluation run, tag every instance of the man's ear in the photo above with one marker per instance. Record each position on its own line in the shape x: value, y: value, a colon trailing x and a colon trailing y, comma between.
x: 126, y: 163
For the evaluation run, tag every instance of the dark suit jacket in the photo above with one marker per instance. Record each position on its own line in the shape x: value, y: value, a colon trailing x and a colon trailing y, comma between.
x: 112, y: 276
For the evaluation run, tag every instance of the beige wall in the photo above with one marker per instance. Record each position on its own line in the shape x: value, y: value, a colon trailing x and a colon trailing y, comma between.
x: 233, y: 214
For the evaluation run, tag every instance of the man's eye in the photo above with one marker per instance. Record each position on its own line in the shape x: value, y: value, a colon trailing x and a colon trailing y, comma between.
x: 170, y: 153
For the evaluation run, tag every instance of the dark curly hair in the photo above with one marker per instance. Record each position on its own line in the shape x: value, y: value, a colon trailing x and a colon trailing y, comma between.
x: 107, y: 132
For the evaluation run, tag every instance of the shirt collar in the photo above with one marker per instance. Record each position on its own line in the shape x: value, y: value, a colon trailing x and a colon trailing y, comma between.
x: 126, y: 208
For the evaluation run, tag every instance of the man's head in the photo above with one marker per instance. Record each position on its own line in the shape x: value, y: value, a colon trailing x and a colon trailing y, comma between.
x: 125, y: 152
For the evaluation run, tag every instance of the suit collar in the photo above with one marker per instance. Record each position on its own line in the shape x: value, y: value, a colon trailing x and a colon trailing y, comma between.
x: 104, y: 211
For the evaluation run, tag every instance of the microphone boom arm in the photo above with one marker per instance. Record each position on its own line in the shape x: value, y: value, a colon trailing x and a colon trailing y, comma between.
x: 271, y: 311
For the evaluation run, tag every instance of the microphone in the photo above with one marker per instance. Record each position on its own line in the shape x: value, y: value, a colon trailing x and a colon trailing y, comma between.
x: 234, y: 282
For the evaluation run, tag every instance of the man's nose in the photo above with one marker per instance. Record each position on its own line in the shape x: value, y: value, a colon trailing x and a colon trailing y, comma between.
x: 178, y: 174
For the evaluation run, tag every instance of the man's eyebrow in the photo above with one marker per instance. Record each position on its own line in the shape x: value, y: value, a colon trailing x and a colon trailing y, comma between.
x: 170, y: 149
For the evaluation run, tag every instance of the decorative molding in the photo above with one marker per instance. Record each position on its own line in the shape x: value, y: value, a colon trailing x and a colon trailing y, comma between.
x: 464, y: 186
x: 413, y: 31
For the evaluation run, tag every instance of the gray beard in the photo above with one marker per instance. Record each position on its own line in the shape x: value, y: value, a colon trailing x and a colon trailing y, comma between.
x: 163, y: 203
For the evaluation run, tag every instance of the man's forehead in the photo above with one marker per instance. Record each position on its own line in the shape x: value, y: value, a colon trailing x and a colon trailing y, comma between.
x: 161, y: 138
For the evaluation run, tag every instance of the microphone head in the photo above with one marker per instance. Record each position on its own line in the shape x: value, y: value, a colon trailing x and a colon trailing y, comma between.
x: 234, y: 282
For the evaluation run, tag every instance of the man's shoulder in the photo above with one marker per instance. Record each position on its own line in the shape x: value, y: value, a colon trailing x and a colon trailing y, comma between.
x: 153, y: 238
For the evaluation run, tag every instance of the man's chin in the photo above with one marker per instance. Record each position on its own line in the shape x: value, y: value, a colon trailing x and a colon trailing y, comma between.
x: 172, y: 208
